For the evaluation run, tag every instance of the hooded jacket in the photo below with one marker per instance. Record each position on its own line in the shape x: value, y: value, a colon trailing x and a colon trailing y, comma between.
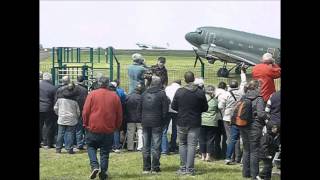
x: 258, y: 106
x: 67, y: 107
x: 154, y: 107
x: 190, y: 102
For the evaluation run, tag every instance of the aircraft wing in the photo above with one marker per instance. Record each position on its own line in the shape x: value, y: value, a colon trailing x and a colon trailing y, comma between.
x: 230, y: 56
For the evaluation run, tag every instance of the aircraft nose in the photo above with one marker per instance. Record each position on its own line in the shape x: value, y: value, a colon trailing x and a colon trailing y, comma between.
x: 188, y: 37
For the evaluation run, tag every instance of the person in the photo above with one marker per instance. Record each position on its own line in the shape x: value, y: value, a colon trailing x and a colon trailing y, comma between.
x: 266, y: 72
x: 189, y: 101
x: 136, y: 72
x: 209, y: 125
x: 132, y: 118
x: 234, y: 94
x: 115, y: 85
x: 82, y: 92
x: 220, y: 144
x: 100, y: 123
x: 154, y: 108
x: 199, y: 82
x: 40, y: 75
x: 47, y: 93
x: 172, y: 115
x: 273, y: 108
x: 269, y: 145
x: 252, y: 132
x: 160, y: 70
x: 68, y: 112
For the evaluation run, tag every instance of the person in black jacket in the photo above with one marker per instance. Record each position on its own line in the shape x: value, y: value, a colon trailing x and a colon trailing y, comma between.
x: 132, y: 118
x: 189, y: 102
x: 251, y: 133
x: 47, y: 93
x: 154, y: 108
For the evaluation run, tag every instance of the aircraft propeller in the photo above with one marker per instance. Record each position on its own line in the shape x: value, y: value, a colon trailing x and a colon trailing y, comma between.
x: 197, y: 57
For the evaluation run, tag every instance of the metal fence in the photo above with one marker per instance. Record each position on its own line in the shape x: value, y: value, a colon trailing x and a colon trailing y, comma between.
x: 174, y: 73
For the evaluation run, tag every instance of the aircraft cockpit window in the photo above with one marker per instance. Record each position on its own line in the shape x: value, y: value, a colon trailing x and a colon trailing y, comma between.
x: 198, y: 31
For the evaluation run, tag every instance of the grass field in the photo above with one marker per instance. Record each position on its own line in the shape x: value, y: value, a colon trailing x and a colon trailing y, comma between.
x: 126, y: 165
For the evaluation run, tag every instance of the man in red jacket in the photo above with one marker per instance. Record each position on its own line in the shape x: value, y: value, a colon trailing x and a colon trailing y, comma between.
x: 102, y: 115
x: 266, y: 72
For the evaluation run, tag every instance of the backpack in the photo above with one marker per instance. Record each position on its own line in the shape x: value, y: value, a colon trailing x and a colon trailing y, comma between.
x: 242, y: 114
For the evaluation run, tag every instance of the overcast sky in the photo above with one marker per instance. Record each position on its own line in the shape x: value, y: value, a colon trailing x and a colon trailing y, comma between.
x: 124, y: 23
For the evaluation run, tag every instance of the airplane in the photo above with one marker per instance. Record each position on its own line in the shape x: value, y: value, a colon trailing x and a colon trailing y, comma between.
x: 231, y: 46
x: 150, y: 46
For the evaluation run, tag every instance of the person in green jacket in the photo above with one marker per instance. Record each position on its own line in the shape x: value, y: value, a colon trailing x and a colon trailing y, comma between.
x: 209, y: 125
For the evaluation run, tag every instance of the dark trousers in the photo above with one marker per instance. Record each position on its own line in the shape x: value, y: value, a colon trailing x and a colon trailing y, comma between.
x: 151, y: 148
x: 220, y: 144
x: 251, y: 135
x: 208, y: 135
x: 49, y: 122
x: 165, y: 146
x: 104, y: 142
x: 267, y: 169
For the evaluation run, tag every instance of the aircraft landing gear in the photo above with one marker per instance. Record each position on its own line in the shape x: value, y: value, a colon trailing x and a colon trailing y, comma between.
x: 223, y: 72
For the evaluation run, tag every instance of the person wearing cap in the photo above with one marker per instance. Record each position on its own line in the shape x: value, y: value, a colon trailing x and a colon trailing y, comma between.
x: 136, y: 72
x: 102, y: 115
x: 161, y: 71
x: 266, y: 72
x: 47, y: 93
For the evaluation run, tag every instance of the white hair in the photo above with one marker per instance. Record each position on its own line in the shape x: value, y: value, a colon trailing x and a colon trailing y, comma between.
x: 199, y: 82
x: 267, y: 58
x: 47, y: 76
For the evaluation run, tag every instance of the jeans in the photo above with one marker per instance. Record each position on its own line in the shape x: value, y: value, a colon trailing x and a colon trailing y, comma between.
x: 131, y: 129
x: 66, y: 134
x: 116, y: 140
x: 151, y: 143
x: 102, y: 141
x: 234, y: 139
x: 267, y: 169
x: 80, y: 134
x: 173, y: 140
x: 208, y: 135
x: 164, y: 142
x: 251, y: 135
x: 188, y: 140
x: 47, y: 118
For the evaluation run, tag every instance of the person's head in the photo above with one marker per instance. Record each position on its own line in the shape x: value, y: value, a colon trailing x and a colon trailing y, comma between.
x: 253, y: 85
x: 161, y: 62
x: 71, y: 86
x: 137, y: 58
x: 138, y: 88
x: 210, y: 90
x: 233, y: 83
x: 47, y: 76
x: 189, y: 77
x: 80, y: 78
x: 103, y: 81
x: 65, y: 80
x: 155, y: 82
x: 222, y: 85
x: 267, y: 58
x: 199, y: 82
x: 178, y: 81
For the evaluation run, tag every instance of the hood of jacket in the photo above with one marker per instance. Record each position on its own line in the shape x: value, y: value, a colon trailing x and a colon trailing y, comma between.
x: 153, y: 89
x: 252, y: 94
x: 191, y: 87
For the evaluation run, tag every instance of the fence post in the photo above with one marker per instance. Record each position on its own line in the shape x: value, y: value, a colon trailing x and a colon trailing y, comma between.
x: 91, y: 55
x: 202, y: 70
x: 110, y: 55
x: 98, y: 55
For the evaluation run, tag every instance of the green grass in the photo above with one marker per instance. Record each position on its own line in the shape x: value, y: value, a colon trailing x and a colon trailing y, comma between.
x: 128, y: 166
